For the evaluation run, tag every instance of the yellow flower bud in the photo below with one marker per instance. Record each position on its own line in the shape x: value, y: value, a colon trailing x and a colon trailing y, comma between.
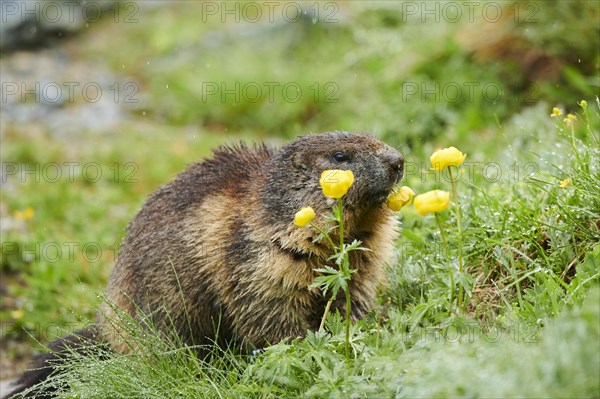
x: 565, y: 183
x: 432, y: 201
x: 400, y: 199
x: 583, y: 104
x: 304, y: 216
x: 555, y: 112
x: 336, y: 183
x: 447, y: 157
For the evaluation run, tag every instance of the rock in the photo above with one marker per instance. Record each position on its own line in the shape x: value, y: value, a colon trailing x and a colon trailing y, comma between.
x: 64, y: 94
x: 27, y: 24
x: 4, y: 388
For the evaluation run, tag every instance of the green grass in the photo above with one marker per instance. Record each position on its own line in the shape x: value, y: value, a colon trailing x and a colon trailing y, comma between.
x: 532, y: 259
x: 392, y: 360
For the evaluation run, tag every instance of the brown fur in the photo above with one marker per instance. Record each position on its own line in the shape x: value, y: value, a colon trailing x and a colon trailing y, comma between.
x: 217, y: 247
x: 215, y: 256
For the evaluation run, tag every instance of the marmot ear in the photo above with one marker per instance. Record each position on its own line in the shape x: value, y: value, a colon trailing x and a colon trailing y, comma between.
x: 299, y: 162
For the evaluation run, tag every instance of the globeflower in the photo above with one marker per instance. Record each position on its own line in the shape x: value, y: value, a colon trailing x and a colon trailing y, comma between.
x: 432, y: 201
x: 555, y: 113
x: 335, y: 183
x: 25, y: 215
x: 565, y: 183
x: 447, y: 157
x: 17, y: 314
x: 400, y: 198
x: 569, y: 119
x: 304, y: 216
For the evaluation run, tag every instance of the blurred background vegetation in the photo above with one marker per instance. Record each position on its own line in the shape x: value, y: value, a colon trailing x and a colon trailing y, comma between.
x: 178, y: 78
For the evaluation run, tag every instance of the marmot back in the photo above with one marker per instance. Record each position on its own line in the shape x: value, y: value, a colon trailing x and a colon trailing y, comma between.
x: 216, y: 248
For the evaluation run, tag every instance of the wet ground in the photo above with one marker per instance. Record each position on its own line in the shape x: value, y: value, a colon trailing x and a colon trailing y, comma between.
x: 51, y: 90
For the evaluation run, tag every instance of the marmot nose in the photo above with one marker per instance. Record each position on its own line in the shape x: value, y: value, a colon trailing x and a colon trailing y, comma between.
x: 395, y: 160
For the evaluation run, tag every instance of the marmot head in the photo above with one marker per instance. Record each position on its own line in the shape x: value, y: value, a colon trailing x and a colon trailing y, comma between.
x: 297, y: 167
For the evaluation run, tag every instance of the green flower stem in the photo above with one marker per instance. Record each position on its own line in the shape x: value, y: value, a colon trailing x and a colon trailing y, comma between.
x: 460, y: 244
x: 439, y: 223
x: 346, y: 274
x: 575, y: 150
x: 341, y: 224
x: 314, y: 226
x: 326, y: 313
x: 328, y: 306
x: 348, y: 321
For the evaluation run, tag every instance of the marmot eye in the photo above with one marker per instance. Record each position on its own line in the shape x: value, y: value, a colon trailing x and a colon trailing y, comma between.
x: 340, y: 156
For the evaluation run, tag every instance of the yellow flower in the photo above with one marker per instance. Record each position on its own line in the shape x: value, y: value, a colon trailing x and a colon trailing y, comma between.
x: 336, y: 183
x: 17, y: 314
x: 401, y: 198
x: 555, y: 112
x: 583, y: 104
x: 565, y: 183
x: 447, y: 157
x: 25, y: 215
x: 569, y: 119
x: 304, y: 216
x: 432, y: 201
